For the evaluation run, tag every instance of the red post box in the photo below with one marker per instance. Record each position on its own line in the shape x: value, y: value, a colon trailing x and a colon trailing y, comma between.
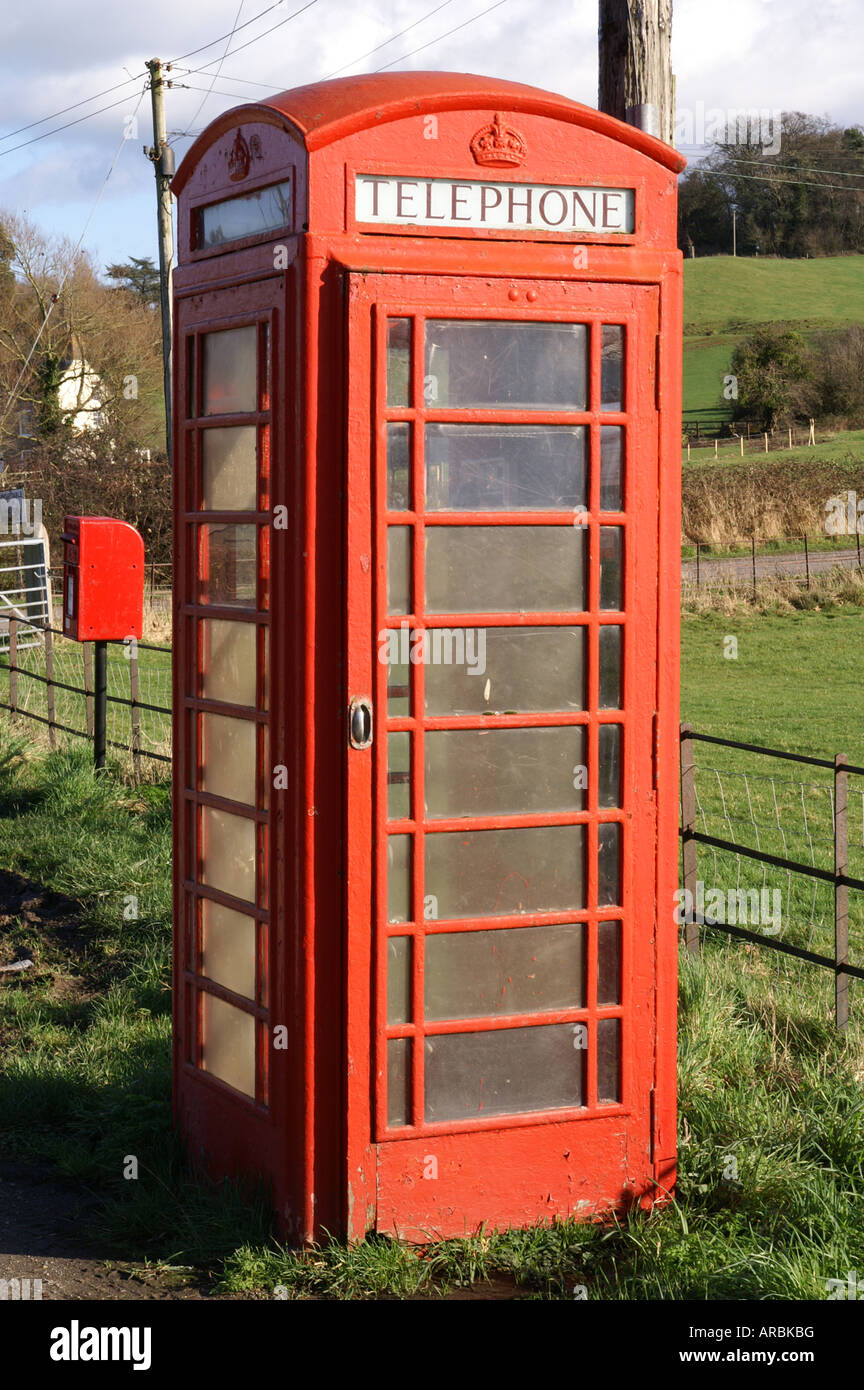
x: 103, y: 579
x: 427, y: 443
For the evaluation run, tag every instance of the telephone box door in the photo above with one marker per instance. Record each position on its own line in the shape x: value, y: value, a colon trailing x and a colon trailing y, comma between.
x: 502, y: 618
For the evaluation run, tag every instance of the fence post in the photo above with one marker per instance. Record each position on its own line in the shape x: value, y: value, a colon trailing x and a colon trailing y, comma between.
x: 135, y: 695
x: 841, y: 895
x: 698, y: 548
x: 753, y: 558
x: 13, y: 665
x: 688, y: 825
x: 100, y: 691
x: 88, y: 687
x: 49, y: 688
x: 806, y: 562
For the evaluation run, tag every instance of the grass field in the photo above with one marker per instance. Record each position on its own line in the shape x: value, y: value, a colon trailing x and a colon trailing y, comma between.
x: 845, y: 446
x: 772, y: 1107
x: 825, y: 292
x: 154, y: 678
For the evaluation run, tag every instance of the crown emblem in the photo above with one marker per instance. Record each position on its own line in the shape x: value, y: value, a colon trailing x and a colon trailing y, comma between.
x: 238, y: 159
x: 498, y: 144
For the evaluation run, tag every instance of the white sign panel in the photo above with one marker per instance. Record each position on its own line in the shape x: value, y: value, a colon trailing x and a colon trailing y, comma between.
x: 536, y: 207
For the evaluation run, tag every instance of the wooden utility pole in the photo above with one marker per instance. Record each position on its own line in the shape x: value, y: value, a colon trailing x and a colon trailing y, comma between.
x: 636, y: 82
x: 162, y: 156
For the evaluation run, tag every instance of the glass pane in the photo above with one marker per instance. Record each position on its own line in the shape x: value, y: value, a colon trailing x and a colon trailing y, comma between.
x: 509, y: 468
x: 228, y: 1043
x: 490, y: 772
x: 228, y: 760
x: 609, y: 865
x: 228, y: 853
x: 228, y: 661
x: 515, y: 670
x: 398, y: 878
x: 398, y: 776
x: 398, y: 467
x: 504, y: 569
x: 398, y: 689
x: 228, y: 565
x: 473, y: 1075
x: 608, y: 1059
x: 493, y: 873
x: 523, y: 970
x: 608, y: 963
x: 249, y: 215
x: 611, y: 568
x: 610, y: 667
x: 399, y: 362
x: 612, y: 368
x: 540, y: 366
x: 228, y: 948
x: 399, y: 569
x: 230, y: 371
x: 399, y: 1081
x: 611, y: 469
x: 399, y: 979
x: 609, y: 770
x: 229, y: 480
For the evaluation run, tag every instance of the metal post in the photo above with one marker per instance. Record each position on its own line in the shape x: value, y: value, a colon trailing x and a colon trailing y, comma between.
x: 806, y: 562
x: 841, y: 895
x: 698, y: 548
x: 100, y: 692
x: 88, y: 688
x: 688, y: 824
x: 753, y: 561
x: 135, y: 695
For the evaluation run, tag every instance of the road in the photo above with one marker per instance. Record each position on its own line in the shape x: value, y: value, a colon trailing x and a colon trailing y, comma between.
x: 739, y: 568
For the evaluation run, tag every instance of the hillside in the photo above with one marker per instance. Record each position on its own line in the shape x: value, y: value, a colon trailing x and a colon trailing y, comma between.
x: 725, y: 296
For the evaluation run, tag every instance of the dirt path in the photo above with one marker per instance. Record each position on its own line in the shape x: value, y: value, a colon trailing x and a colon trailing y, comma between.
x: 41, y: 1219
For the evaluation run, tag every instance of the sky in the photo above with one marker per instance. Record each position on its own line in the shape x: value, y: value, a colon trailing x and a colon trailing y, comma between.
x: 767, y: 55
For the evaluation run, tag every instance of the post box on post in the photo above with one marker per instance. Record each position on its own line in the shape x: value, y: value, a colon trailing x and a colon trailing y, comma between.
x: 103, y: 598
x: 427, y: 514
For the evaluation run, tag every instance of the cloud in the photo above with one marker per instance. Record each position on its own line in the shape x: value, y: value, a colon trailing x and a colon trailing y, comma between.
x: 750, y: 53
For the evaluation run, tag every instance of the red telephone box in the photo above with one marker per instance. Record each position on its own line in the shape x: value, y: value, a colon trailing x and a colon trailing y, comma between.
x: 427, y: 517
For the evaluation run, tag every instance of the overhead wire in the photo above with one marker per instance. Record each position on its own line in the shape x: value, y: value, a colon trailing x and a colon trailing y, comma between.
x: 392, y: 39
x: 440, y: 37
x: 74, y: 107
x: 221, y: 61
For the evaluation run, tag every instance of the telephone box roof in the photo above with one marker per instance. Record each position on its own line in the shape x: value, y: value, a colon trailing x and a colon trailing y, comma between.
x: 327, y: 111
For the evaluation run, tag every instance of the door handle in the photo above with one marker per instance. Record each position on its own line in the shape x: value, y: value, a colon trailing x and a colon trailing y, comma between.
x: 360, y: 722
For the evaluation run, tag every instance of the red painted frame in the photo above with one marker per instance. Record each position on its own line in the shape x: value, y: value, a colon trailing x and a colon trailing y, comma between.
x: 406, y: 1204
x: 318, y: 285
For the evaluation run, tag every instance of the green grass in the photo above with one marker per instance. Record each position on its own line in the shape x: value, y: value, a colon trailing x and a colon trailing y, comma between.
x: 726, y: 297
x: 724, y: 293
x: 847, y: 446
x: 772, y: 1106
x: 154, y: 677
x: 706, y: 362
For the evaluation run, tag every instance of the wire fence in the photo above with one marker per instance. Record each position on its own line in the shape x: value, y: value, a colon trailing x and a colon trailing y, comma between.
x: 48, y: 679
x: 771, y: 858
x: 799, y: 557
